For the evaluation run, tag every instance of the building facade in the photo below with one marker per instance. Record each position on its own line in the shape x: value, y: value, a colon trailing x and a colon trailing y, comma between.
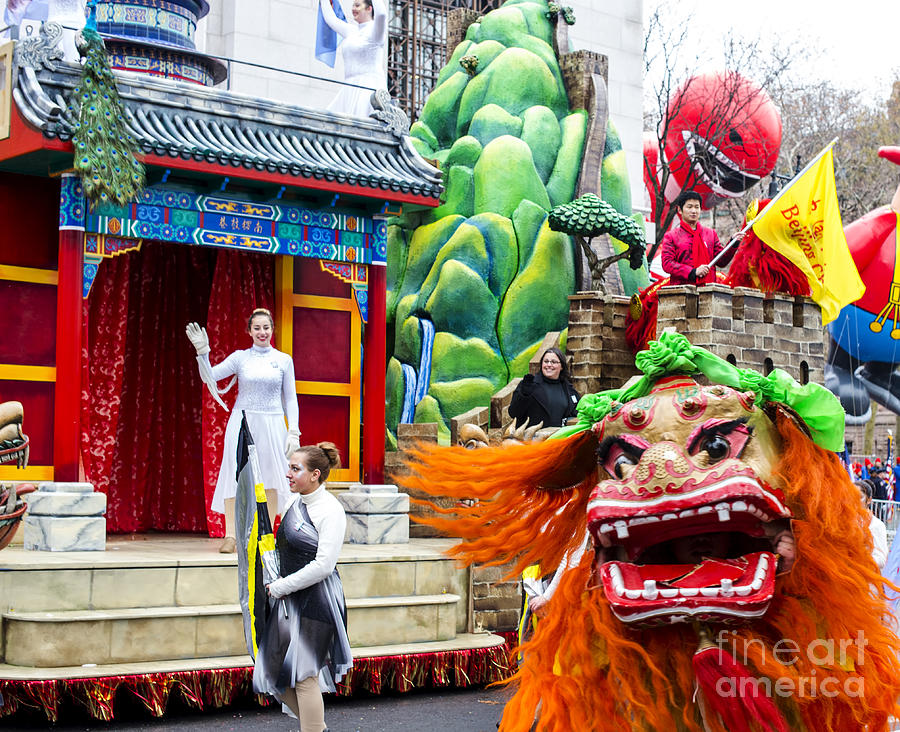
x: 281, y: 35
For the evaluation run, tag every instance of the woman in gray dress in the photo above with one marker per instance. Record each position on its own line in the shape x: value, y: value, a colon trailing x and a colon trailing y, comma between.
x: 304, y: 649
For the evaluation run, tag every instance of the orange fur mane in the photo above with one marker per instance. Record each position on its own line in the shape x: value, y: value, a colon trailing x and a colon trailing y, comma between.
x: 589, y: 671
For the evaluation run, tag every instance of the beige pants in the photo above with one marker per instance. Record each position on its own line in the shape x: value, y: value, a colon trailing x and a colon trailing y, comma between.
x: 305, y: 701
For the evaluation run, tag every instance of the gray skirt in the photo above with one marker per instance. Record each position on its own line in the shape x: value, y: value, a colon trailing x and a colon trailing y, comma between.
x: 306, y: 632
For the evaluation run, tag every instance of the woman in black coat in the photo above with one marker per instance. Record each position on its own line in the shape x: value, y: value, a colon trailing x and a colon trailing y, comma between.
x: 546, y: 397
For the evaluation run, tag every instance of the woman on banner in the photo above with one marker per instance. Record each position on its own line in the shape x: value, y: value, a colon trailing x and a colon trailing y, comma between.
x: 267, y: 393
x: 305, y: 649
x: 364, y: 41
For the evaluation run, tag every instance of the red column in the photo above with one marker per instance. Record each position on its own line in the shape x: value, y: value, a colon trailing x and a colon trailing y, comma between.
x: 374, y: 366
x: 67, y: 399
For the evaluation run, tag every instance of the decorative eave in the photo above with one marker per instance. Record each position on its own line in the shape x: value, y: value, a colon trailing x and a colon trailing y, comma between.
x: 211, y: 131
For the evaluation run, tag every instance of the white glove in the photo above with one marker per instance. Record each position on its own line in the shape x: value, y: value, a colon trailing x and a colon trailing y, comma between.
x: 200, y: 341
x: 291, y: 442
x: 198, y: 338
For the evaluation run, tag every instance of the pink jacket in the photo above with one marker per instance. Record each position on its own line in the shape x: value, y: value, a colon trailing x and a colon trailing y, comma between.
x: 677, y: 253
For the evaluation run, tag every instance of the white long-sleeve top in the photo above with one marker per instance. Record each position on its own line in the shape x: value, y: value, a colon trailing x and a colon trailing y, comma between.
x: 879, y: 538
x: 345, y: 28
x: 265, y: 381
x: 569, y: 560
x: 327, y: 515
x: 363, y: 45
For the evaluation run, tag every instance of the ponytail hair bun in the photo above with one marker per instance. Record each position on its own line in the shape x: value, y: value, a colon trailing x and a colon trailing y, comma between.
x: 322, y: 457
x: 260, y: 312
x: 331, y: 453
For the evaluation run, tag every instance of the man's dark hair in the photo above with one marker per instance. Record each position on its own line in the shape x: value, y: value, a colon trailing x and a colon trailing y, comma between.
x: 686, y: 196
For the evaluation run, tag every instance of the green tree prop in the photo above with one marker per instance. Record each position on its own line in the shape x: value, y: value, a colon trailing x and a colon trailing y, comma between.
x: 484, y: 267
x: 590, y: 216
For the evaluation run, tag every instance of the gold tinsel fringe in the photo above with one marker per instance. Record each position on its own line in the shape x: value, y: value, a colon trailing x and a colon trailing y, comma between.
x: 210, y: 689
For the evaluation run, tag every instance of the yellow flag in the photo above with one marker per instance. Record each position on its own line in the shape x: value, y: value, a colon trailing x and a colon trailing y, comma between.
x: 804, y: 224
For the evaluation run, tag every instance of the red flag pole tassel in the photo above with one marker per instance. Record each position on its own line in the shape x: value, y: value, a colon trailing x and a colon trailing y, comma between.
x: 739, y: 703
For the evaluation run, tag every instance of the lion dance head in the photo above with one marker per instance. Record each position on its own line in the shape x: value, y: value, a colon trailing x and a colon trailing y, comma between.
x: 729, y: 585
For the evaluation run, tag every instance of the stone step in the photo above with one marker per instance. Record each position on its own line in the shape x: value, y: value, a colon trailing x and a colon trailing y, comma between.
x: 74, y: 637
x: 11, y: 672
x: 411, y: 619
x: 125, y: 576
x: 106, y: 588
x: 132, y: 635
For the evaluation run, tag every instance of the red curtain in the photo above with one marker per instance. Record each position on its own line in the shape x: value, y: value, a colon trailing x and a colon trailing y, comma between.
x: 151, y: 434
x: 143, y: 429
x: 102, y: 365
x: 242, y: 283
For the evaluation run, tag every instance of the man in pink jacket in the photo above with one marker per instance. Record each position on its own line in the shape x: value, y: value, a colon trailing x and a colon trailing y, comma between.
x: 688, y: 248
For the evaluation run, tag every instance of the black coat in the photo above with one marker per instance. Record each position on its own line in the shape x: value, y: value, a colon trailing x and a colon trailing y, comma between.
x: 530, y: 400
x: 881, y: 488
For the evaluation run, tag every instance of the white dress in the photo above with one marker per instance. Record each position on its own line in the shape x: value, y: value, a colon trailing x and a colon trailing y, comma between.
x: 267, y: 393
x: 363, y: 52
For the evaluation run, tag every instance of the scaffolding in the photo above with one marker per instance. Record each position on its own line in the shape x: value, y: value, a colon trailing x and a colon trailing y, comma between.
x: 417, y: 46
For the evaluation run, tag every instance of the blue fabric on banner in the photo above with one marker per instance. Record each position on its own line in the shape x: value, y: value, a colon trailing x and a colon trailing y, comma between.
x: 327, y: 39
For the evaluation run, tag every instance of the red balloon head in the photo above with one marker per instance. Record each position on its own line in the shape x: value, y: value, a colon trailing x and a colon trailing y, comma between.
x: 651, y: 161
x: 723, y: 137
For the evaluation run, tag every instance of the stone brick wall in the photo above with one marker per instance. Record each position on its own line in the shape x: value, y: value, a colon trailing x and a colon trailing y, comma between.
x: 458, y: 22
x: 497, y: 602
x: 741, y: 325
x: 408, y: 435
x: 596, y: 344
x: 576, y: 69
x: 747, y: 327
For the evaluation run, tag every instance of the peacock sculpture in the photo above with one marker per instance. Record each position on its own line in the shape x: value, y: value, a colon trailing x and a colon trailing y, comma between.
x: 104, y: 149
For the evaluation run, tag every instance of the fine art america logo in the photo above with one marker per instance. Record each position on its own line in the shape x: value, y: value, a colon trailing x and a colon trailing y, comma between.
x: 823, y: 668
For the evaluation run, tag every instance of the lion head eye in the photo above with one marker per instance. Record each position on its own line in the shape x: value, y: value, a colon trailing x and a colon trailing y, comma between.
x: 720, y: 439
x: 717, y: 447
x: 618, y: 454
x: 621, y: 462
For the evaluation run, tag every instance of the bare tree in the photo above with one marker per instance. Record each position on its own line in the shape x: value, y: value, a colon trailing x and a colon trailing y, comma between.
x: 719, y: 132
x: 819, y: 113
x: 814, y: 112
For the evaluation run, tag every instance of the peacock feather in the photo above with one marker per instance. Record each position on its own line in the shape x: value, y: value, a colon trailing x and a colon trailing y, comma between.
x: 104, y: 149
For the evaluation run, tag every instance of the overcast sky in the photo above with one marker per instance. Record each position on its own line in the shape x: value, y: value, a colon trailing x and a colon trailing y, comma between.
x: 858, y: 42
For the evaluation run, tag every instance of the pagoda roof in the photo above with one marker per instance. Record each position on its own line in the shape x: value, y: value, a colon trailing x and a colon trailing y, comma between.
x: 208, y: 130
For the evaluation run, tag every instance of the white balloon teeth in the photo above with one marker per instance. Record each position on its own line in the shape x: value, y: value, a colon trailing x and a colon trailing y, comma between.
x: 725, y: 511
x: 653, y: 590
